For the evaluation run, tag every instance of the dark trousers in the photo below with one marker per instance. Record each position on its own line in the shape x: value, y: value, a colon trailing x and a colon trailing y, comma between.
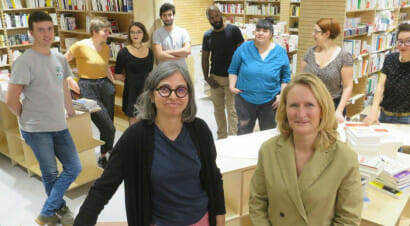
x: 248, y: 113
x: 103, y: 91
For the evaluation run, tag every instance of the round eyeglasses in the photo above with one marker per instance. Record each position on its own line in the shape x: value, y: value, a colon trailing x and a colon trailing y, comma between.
x: 165, y: 91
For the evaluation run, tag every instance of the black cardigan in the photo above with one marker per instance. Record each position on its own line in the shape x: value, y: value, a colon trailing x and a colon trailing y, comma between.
x: 131, y: 162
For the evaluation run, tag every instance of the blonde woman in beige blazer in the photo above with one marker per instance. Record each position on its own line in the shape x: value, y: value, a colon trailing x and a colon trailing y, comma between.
x: 305, y: 176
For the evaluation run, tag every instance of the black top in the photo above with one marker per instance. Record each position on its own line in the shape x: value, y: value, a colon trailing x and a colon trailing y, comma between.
x: 136, y: 71
x: 222, y: 45
x: 397, y: 88
x: 131, y: 162
x: 177, y: 195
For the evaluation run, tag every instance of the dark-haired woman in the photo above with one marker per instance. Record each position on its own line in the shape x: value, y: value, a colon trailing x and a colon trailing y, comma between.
x: 166, y: 160
x: 258, y: 72
x: 136, y: 61
x: 330, y: 63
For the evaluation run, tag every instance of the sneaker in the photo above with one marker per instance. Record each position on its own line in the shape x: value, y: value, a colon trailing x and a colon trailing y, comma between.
x: 47, y: 220
x: 102, y: 161
x: 66, y: 216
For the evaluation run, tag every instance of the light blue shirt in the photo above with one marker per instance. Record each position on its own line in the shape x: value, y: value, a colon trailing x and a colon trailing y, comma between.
x: 259, y: 80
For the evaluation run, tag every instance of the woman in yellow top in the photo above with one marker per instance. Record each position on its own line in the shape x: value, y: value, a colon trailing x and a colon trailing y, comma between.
x: 96, y: 80
x: 305, y: 176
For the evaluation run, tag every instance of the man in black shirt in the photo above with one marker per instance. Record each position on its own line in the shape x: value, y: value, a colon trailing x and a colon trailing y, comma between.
x: 221, y: 42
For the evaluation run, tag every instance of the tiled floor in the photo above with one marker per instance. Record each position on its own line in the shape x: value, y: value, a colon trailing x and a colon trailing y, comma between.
x: 22, y: 196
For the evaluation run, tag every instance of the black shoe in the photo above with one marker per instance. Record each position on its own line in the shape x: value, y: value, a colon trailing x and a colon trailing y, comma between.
x: 102, y: 161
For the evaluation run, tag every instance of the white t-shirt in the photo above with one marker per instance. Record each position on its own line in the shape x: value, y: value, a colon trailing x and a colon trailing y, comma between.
x: 171, y: 40
x: 43, y: 102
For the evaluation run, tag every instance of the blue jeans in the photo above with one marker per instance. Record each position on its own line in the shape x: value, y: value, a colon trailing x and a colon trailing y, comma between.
x: 383, y: 118
x: 248, y: 113
x: 46, y: 147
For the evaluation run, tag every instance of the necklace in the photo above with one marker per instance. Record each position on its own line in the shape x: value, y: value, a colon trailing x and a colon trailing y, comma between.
x: 137, y: 47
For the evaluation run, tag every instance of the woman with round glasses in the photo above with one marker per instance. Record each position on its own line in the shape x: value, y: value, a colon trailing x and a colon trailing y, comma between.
x: 393, y: 88
x: 167, y: 160
x: 132, y: 66
x: 331, y: 64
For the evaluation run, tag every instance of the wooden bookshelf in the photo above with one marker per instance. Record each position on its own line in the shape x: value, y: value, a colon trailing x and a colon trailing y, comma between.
x: 337, y: 9
x: 12, y: 145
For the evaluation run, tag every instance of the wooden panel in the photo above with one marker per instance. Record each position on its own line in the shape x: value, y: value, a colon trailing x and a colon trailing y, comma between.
x: 310, y: 12
x: 191, y: 15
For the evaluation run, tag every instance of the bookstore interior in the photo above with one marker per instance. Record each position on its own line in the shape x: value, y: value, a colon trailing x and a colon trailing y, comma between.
x: 369, y: 34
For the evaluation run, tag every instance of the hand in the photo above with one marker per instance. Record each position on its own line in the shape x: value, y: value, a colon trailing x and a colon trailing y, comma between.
x: 276, y: 102
x: 71, y: 114
x: 212, y: 82
x: 235, y: 90
x: 370, y: 119
x: 73, y: 85
x: 339, y: 116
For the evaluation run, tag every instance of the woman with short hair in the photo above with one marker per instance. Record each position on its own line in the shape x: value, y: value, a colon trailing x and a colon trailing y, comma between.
x: 166, y: 160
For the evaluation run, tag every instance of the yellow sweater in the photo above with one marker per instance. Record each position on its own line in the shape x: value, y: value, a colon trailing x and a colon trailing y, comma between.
x: 91, y: 64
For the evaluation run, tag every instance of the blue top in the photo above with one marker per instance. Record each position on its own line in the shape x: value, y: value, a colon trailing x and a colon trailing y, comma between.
x: 259, y: 80
x: 177, y: 195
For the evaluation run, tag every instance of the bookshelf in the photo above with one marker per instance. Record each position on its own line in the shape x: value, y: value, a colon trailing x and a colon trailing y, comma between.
x: 369, y: 34
x: 14, y: 36
x: 12, y: 145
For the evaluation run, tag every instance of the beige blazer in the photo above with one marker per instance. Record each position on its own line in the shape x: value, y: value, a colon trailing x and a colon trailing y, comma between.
x: 327, y: 192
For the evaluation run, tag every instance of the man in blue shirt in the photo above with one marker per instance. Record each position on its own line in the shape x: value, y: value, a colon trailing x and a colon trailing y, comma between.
x: 221, y: 42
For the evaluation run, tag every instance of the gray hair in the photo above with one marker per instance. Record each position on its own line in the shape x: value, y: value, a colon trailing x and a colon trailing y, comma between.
x: 146, y: 108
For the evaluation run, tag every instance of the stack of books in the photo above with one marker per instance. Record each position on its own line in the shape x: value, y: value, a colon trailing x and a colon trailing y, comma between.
x: 371, y: 140
x: 85, y: 104
x: 394, y: 178
x: 370, y: 167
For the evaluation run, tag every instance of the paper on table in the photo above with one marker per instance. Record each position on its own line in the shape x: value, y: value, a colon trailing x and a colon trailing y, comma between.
x: 244, y: 146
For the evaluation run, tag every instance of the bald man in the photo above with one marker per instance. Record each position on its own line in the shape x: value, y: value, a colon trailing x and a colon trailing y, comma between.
x: 220, y: 42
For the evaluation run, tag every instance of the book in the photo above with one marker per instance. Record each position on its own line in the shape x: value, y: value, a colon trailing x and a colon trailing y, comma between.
x: 84, y: 104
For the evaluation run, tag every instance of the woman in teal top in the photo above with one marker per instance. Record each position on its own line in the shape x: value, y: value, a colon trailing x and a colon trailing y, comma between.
x: 258, y: 72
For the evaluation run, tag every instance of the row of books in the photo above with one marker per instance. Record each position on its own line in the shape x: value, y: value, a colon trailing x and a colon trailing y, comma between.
x: 294, y: 10
x: 19, y: 39
x: 360, y: 29
x: 18, y: 20
x: 230, y: 8
x: 262, y: 9
x: 388, y: 4
x: 2, y: 41
x: 68, y: 22
x: 355, y: 47
x: 112, y: 5
x: 115, y: 47
x: 360, y: 4
x: 3, y: 59
x: 383, y: 41
x: 372, y: 81
x: 383, y: 20
x: 72, y: 4
x: 19, y: 4
x: 352, y: 22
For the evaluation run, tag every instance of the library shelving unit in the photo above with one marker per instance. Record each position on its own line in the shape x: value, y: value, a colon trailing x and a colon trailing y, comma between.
x: 245, y: 10
x: 82, y: 14
x: 362, y: 26
x: 294, y: 13
x: 8, y: 46
x: 12, y: 145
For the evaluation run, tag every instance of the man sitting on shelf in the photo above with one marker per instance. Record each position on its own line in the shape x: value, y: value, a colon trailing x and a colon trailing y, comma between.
x: 221, y: 41
x: 40, y: 74
x: 170, y: 42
